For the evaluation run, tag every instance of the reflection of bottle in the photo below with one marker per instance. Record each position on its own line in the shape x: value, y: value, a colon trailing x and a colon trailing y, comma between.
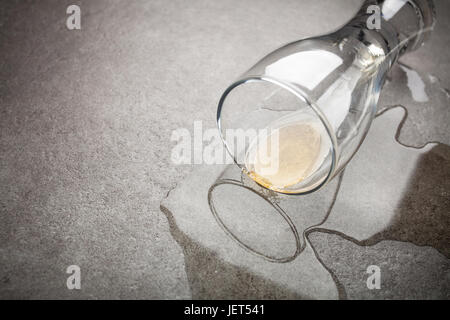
x: 319, y: 95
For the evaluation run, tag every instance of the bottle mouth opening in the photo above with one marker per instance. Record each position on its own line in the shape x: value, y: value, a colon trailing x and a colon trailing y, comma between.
x: 277, y: 135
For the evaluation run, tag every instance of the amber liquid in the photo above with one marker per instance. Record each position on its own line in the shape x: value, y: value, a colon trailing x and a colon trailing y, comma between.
x: 285, y: 156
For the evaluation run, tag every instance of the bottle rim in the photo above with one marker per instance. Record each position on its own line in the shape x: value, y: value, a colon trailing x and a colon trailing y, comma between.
x: 300, y: 94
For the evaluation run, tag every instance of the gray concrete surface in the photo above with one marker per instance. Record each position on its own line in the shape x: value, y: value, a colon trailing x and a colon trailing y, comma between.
x: 389, y: 208
x: 85, y: 124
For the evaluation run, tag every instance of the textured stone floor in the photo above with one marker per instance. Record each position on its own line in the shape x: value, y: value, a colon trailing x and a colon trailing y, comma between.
x: 86, y: 119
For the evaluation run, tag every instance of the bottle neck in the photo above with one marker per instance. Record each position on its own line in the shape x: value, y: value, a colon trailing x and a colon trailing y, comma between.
x: 398, y: 26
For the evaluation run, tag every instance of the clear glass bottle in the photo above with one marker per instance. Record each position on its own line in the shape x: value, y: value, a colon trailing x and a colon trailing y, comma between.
x: 317, y: 97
